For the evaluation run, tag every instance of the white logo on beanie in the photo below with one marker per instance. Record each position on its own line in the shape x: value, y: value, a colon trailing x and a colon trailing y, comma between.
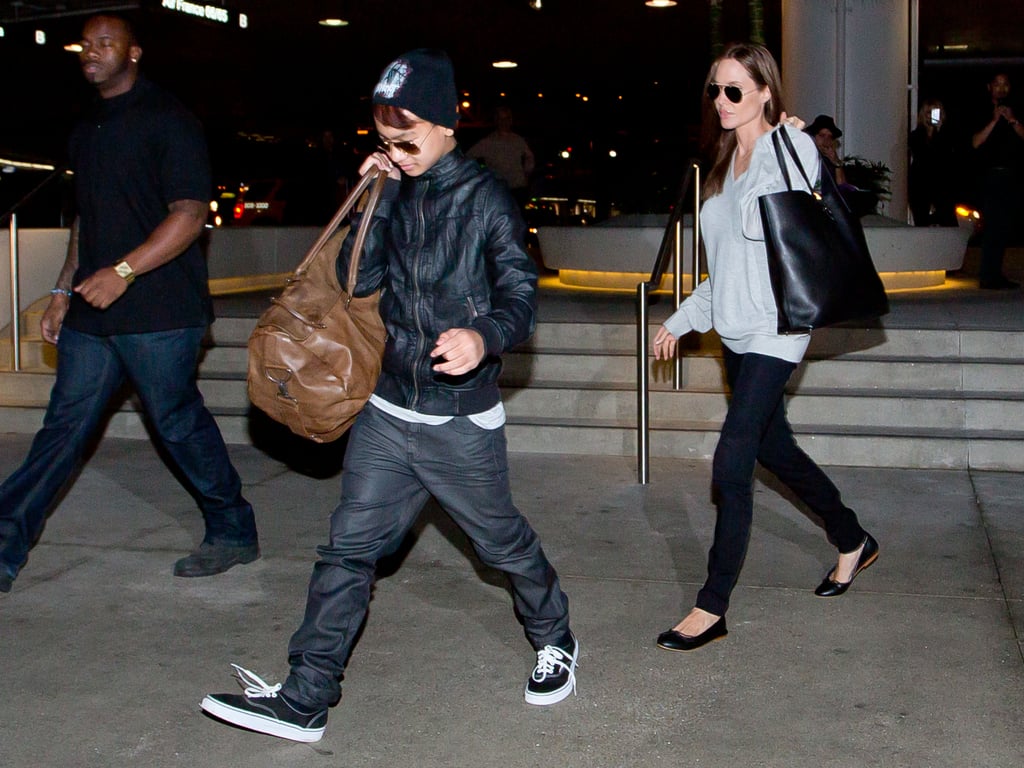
x: 393, y: 79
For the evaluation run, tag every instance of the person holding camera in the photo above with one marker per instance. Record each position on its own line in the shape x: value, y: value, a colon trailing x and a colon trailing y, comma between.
x: 933, y: 168
x: 999, y: 154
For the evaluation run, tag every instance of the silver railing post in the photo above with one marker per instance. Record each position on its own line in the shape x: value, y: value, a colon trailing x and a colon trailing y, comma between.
x: 643, y: 385
x: 696, y: 228
x: 677, y: 298
x: 643, y: 392
x: 15, y: 297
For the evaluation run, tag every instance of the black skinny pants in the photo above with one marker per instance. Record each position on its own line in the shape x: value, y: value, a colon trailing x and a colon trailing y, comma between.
x: 756, y: 429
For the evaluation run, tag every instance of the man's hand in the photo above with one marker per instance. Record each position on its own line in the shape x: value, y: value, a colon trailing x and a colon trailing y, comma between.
x: 102, y: 288
x: 53, y: 317
x: 460, y: 349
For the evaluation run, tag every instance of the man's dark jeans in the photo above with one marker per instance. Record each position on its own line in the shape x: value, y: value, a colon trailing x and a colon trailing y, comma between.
x: 1000, y: 208
x: 161, y: 367
x: 756, y: 430
x: 391, y: 468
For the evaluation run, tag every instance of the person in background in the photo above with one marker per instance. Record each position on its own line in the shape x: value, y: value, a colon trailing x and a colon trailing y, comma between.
x: 131, y: 303
x: 999, y: 162
x: 743, y: 106
x: 507, y: 154
x: 826, y: 135
x: 933, y: 168
x: 446, y: 246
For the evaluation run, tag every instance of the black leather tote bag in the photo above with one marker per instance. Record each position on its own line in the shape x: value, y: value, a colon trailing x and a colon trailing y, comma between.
x: 818, y: 259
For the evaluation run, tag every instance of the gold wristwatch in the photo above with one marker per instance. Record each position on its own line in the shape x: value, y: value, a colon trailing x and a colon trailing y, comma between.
x: 124, y: 270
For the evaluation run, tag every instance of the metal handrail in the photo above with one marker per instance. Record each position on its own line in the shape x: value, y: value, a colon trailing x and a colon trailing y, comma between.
x: 671, y: 246
x: 11, y: 213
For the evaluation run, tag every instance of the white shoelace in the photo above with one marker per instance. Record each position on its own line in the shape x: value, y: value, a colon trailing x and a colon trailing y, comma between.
x: 255, y: 686
x: 549, y: 658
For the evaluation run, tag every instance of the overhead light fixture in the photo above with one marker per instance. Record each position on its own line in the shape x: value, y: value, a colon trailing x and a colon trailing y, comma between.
x: 535, y: 4
x: 504, y: 64
x: 73, y: 48
x: 333, y: 23
x: 660, y: 3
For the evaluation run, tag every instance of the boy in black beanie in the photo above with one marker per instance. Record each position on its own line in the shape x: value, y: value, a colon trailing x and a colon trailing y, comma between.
x: 446, y: 245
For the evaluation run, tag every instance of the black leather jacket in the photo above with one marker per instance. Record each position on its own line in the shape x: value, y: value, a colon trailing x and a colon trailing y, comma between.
x: 447, y: 249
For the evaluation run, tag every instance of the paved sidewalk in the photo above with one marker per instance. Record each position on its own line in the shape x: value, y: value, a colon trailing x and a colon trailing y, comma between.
x: 104, y: 656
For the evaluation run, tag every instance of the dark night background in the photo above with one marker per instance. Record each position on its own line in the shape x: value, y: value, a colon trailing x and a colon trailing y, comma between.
x: 266, y: 93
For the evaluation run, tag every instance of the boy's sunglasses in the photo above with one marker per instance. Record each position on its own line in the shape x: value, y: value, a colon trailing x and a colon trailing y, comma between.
x: 732, y: 92
x: 405, y: 147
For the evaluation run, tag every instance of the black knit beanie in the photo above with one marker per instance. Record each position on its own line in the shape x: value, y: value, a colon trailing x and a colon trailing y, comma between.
x: 423, y: 82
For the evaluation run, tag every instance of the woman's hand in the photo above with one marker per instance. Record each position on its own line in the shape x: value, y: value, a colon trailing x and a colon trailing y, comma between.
x: 381, y: 161
x: 664, y: 344
x: 794, y: 121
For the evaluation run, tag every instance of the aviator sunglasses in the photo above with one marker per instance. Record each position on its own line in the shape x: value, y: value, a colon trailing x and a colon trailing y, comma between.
x: 411, y: 148
x: 732, y: 92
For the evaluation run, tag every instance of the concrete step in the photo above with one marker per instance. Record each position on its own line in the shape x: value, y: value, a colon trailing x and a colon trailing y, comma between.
x: 835, y: 343
x: 943, y: 413
x: 866, y: 397
x: 827, y: 447
x: 704, y: 370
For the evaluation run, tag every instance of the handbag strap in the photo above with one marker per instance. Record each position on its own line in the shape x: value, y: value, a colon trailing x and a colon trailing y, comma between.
x: 792, y: 153
x: 364, y: 226
x: 368, y: 178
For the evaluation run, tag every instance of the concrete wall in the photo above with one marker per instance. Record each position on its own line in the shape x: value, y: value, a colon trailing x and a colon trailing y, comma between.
x: 41, y: 254
x: 237, y: 251
x: 231, y: 252
x: 851, y: 59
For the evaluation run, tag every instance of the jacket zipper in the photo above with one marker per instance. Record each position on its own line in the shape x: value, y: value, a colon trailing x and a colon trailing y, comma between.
x: 421, y: 221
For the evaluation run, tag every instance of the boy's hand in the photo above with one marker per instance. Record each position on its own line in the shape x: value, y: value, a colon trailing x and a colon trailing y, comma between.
x: 460, y: 349
x: 381, y: 161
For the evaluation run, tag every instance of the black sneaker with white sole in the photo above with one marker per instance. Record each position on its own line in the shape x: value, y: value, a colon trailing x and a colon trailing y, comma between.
x: 554, y: 677
x: 261, y: 708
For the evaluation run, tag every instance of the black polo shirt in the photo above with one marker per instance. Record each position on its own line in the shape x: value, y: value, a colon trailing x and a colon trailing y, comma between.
x: 1004, y: 148
x: 133, y: 156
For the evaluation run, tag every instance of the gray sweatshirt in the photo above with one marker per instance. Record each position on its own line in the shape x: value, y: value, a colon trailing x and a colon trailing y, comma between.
x: 736, y: 299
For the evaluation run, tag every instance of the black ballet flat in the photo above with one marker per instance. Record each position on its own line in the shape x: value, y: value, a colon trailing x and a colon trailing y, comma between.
x: 868, y: 555
x: 677, y: 641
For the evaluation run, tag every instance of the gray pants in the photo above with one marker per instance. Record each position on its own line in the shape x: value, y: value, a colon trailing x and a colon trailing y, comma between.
x: 391, y: 469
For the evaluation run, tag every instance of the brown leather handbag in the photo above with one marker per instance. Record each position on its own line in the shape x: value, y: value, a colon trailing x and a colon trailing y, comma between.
x: 315, y: 355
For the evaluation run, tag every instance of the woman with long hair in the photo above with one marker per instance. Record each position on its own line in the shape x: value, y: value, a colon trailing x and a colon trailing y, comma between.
x: 743, y: 105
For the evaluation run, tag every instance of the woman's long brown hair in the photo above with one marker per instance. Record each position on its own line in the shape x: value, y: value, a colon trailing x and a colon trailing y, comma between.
x: 719, y: 143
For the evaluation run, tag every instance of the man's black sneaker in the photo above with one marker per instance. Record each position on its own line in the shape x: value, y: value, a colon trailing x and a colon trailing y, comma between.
x: 210, y: 559
x: 261, y: 708
x: 554, y: 677
x: 1000, y: 283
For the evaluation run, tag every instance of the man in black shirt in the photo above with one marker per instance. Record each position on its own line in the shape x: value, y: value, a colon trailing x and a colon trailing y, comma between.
x: 999, y: 153
x: 131, y: 303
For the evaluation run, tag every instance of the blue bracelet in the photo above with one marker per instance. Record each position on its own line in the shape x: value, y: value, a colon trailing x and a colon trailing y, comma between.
x: 61, y: 291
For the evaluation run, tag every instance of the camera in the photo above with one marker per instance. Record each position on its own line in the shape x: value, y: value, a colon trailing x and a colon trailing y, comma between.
x: 936, y: 115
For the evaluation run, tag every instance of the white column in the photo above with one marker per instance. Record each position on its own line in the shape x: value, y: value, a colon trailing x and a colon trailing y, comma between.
x: 851, y: 59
